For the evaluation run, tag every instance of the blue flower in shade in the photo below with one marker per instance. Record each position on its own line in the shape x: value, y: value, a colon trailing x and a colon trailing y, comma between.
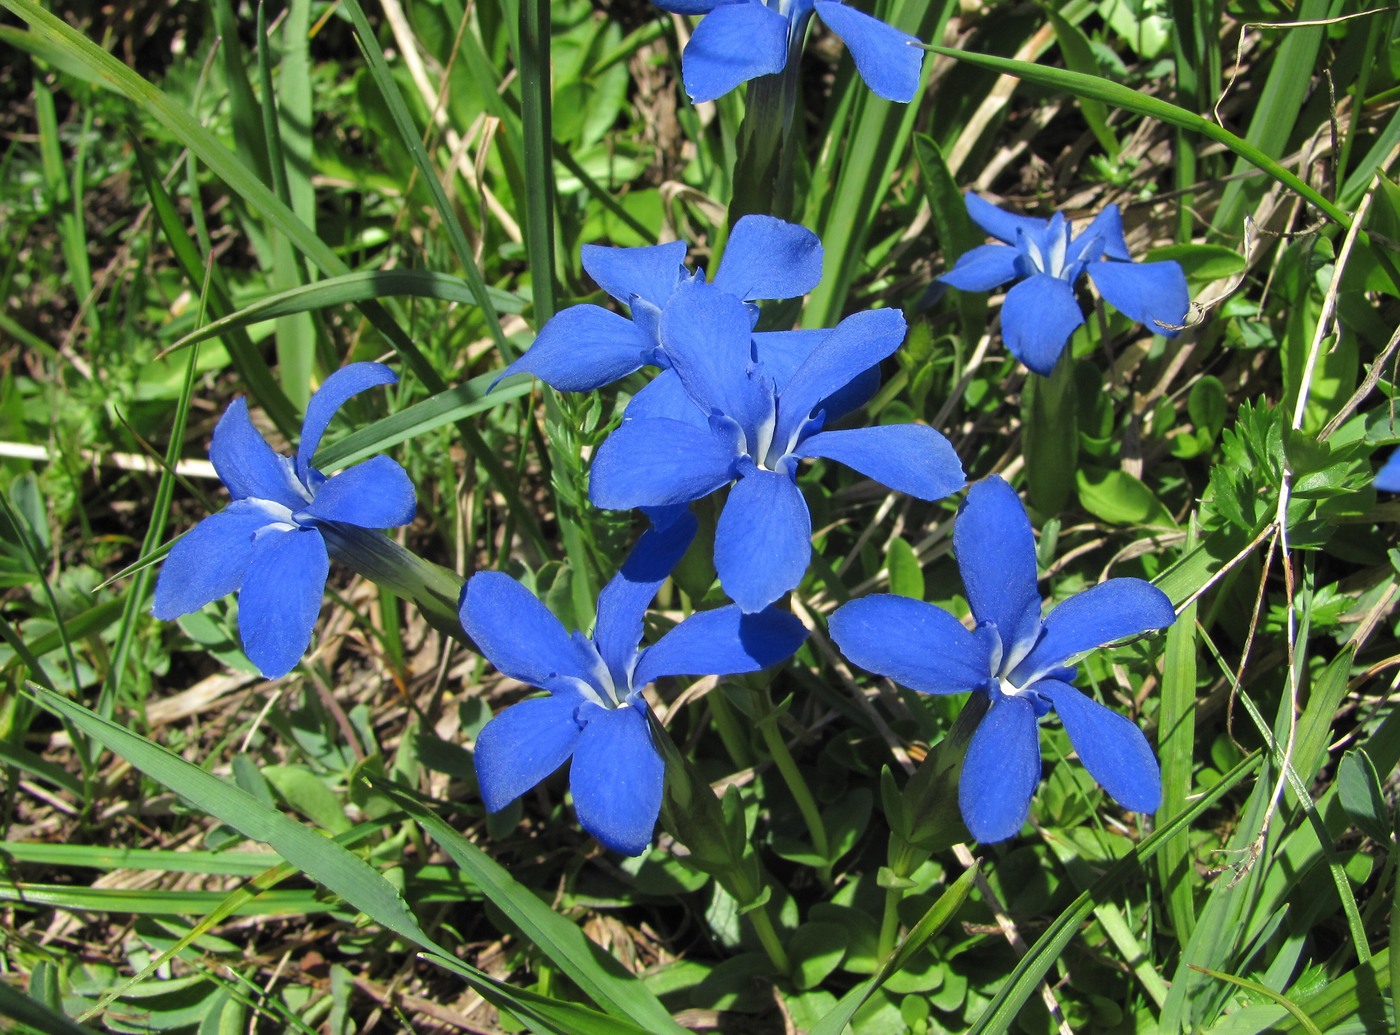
x: 1388, y: 477
x: 595, y: 711
x: 746, y: 427
x: 1018, y: 659
x: 1040, y: 312
x: 585, y: 347
x: 739, y: 40
x: 268, y: 543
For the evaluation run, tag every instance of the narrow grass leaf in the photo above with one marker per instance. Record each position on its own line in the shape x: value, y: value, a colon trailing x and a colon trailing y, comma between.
x: 1176, y: 740
x: 324, y: 861
x: 1304, y: 1021
x: 934, y: 920
x: 1031, y: 969
x: 600, y: 977
x: 39, y: 1017
x: 351, y: 289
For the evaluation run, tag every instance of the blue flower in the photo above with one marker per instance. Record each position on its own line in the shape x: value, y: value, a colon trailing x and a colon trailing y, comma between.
x: 1388, y: 477
x: 1040, y: 312
x: 739, y: 40
x: 747, y: 427
x: 268, y: 543
x: 585, y: 347
x: 1018, y: 659
x: 595, y: 711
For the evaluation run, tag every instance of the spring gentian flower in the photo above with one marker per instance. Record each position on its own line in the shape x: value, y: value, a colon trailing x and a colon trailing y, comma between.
x: 268, y: 543
x: 1018, y: 659
x: 739, y: 40
x: 586, y: 346
x: 1040, y: 312
x: 751, y: 431
x: 595, y: 711
x: 1388, y: 477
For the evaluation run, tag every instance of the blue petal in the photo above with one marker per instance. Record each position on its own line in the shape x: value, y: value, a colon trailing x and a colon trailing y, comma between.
x: 1001, y: 224
x: 1104, y: 234
x: 688, y: 6
x: 1001, y: 770
x: 722, y: 642
x: 340, y: 386
x: 1152, y: 293
x: 734, y: 43
x: 909, y: 458
x: 763, y: 541
x: 665, y: 396
x: 916, y: 644
x: 1112, y: 610
x: 650, y: 272
x: 883, y: 54
x: 768, y: 258
x: 1388, y: 477
x: 281, y: 598
x: 624, y: 601
x: 374, y: 494
x: 617, y: 777
x: 1038, y: 317
x: 248, y: 466
x: 517, y: 633
x: 1110, y: 745
x: 708, y: 336
x: 582, y: 348
x: 985, y: 267
x: 780, y: 353
x: 856, y: 344
x: 523, y: 745
x: 648, y: 463
x: 995, y: 549
x: 208, y: 562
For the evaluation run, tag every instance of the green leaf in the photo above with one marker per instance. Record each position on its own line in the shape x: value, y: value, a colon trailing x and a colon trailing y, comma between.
x: 1119, y: 96
x: 1360, y: 790
x: 599, y: 975
x: 816, y: 950
x: 906, y: 576
x: 324, y: 861
x: 1120, y: 499
x: 1201, y: 262
x: 939, y: 914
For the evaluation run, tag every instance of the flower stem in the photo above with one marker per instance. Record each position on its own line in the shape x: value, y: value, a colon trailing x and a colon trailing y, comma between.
x: 797, y: 785
x: 768, y: 935
x: 435, y: 589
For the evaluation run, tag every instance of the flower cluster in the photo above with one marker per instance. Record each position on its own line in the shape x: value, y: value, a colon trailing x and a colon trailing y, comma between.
x: 269, y: 544
x: 1020, y: 660
x: 739, y: 40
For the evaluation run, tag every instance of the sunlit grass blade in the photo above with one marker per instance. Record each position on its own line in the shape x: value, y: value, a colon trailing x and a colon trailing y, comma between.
x: 1274, y: 116
x: 320, y: 858
x: 934, y: 920
x: 1023, y: 980
x: 595, y: 972
x: 1176, y: 741
x: 1128, y: 99
x: 351, y: 289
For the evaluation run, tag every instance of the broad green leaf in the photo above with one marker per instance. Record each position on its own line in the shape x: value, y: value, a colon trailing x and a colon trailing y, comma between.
x: 1120, y: 499
x: 1360, y: 790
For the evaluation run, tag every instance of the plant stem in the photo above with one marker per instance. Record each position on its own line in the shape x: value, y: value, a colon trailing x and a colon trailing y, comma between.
x: 797, y: 785
x: 768, y: 935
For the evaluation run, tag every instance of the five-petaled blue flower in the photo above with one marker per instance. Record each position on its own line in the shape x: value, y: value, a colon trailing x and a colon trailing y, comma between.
x: 586, y: 346
x: 739, y: 40
x: 595, y: 711
x: 1040, y: 312
x: 268, y: 544
x: 1018, y: 659
x: 748, y: 427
